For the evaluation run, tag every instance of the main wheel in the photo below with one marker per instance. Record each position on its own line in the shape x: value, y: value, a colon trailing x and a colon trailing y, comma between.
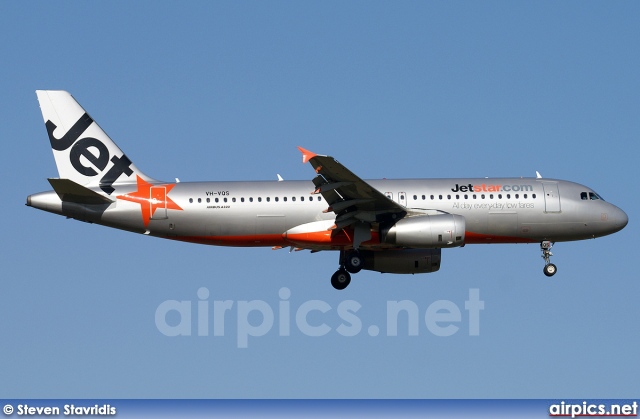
x: 341, y: 279
x: 353, y: 262
x: 550, y: 269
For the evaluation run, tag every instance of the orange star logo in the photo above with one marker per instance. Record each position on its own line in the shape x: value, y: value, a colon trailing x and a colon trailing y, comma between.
x: 151, y: 197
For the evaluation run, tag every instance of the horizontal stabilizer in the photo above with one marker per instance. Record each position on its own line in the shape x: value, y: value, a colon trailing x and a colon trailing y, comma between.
x: 70, y: 191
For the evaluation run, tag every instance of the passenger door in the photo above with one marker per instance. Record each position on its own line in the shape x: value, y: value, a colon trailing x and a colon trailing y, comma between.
x: 551, y: 197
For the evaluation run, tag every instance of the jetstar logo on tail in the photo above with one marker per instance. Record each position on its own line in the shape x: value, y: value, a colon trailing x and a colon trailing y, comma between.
x: 151, y: 198
x: 87, y: 147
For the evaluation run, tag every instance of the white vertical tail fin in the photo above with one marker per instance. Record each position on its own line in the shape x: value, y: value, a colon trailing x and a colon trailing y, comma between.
x: 84, y: 153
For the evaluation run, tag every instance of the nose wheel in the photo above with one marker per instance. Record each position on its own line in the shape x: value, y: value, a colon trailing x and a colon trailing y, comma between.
x: 549, y: 268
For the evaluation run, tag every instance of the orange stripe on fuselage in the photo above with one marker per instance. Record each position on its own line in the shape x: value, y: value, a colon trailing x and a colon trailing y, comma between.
x: 324, y: 238
x: 317, y: 238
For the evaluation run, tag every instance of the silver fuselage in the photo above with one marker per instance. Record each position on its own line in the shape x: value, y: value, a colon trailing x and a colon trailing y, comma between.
x: 258, y: 213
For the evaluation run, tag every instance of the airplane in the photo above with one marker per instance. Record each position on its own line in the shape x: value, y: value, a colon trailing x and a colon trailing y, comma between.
x: 388, y: 226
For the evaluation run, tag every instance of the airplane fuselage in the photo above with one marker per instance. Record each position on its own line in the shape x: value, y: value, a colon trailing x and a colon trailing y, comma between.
x: 257, y: 213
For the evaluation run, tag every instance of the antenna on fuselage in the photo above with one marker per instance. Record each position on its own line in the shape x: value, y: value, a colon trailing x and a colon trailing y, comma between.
x: 538, y: 175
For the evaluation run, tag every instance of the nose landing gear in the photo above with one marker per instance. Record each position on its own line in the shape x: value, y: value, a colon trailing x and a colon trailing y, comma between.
x: 549, y: 268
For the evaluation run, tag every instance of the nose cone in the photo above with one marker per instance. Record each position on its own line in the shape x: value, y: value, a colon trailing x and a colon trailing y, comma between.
x: 619, y: 219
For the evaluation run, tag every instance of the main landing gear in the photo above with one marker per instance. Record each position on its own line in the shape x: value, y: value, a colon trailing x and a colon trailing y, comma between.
x: 549, y: 268
x: 353, y: 262
x: 341, y: 279
x: 350, y: 263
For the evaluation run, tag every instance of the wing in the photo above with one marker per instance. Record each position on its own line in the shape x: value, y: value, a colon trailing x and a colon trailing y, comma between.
x: 352, y: 199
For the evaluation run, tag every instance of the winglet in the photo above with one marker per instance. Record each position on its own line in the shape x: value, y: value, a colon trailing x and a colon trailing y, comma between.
x: 306, y: 155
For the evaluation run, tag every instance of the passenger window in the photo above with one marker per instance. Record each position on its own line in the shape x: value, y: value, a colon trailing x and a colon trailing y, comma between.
x: 424, y: 197
x: 241, y: 199
x: 259, y: 199
x: 277, y: 199
x: 533, y: 196
x: 293, y: 199
x: 499, y: 196
x: 466, y: 196
x: 432, y: 197
x: 199, y: 200
x: 233, y: 199
x: 208, y: 200
x: 525, y: 196
x: 319, y: 198
x: 225, y: 199
x: 440, y: 196
x: 251, y: 199
x: 482, y: 196
x: 217, y: 200
x: 415, y: 197
x: 491, y: 196
x: 191, y: 200
x: 448, y: 196
x: 517, y: 196
x: 268, y: 199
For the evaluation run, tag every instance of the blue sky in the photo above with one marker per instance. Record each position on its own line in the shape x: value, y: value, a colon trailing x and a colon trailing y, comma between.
x: 226, y: 91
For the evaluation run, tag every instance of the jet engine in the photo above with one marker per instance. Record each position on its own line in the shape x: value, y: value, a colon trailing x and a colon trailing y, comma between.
x: 426, y: 231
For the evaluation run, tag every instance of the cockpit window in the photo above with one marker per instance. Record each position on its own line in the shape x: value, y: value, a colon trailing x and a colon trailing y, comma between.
x: 585, y: 196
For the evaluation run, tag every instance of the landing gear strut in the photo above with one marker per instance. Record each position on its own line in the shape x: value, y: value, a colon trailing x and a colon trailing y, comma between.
x: 549, y: 268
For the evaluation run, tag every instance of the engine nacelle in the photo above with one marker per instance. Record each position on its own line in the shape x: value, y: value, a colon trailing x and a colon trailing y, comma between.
x: 426, y: 231
x: 402, y: 261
